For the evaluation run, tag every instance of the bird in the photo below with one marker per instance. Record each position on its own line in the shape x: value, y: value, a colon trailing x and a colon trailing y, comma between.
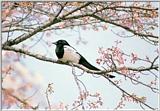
x: 67, y: 53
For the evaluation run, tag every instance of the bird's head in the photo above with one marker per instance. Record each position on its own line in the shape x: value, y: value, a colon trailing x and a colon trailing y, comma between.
x: 61, y: 42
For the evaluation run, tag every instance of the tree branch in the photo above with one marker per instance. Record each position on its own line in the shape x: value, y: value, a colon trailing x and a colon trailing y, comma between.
x: 56, y: 19
x: 79, y: 8
x: 52, y: 21
x: 23, y: 101
x: 124, y: 27
x: 123, y: 91
x: 26, y: 36
x: 47, y: 59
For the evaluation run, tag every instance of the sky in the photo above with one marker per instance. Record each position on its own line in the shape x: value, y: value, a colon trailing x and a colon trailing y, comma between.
x: 61, y: 76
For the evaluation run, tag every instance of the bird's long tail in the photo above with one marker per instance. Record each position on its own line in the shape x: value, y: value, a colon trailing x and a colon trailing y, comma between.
x: 85, y: 63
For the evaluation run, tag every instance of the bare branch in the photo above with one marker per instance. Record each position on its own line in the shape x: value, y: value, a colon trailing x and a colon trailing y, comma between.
x: 49, y: 90
x: 123, y: 91
x: 26, y: 36
x: 23, y: 101
x: 47, y: 59
x: 124, y: 27
x: 52, y: 21
x: 79, y: 8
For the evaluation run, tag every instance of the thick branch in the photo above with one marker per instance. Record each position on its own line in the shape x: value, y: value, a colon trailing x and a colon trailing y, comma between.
x: 47, y: 59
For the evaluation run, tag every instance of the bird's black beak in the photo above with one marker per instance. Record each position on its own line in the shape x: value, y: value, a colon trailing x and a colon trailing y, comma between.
x: 55, y: 43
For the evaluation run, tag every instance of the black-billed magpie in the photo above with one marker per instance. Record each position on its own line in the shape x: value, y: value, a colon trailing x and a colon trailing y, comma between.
x: 67, y: 53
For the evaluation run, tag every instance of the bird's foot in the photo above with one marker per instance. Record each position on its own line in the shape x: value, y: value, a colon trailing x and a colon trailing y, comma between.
x: 59, y: 61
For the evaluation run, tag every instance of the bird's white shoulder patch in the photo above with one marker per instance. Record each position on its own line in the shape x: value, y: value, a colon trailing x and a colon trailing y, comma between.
x: 70, y: 55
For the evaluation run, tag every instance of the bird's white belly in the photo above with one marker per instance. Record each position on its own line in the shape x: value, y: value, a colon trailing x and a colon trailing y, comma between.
x: 70, y: 55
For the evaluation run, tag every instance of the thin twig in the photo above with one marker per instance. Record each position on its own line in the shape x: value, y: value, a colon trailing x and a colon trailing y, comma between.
x: 49, y: 90
x: 123, y: 91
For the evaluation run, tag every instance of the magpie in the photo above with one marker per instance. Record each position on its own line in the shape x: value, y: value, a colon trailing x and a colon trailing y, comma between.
x: 67, y: 53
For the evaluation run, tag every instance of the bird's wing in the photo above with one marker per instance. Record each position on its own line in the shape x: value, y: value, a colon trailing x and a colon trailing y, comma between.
x: 85, y: 63
x: 70, y: 55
